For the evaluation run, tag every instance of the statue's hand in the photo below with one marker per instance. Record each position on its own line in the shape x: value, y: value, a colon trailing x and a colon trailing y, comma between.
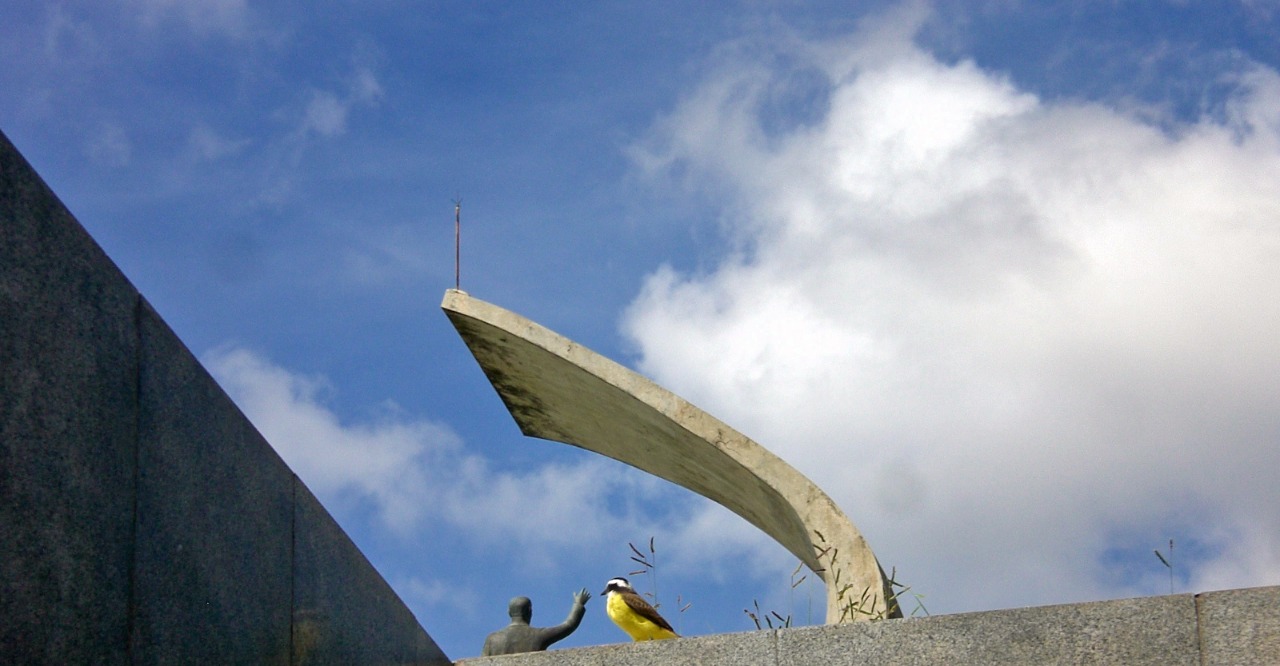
x: 581, y: 597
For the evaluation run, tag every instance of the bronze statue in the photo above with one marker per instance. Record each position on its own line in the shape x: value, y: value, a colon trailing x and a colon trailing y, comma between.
x: 519, y: 637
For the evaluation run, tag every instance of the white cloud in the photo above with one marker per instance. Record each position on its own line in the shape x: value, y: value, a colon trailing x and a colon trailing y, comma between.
x: 365, y: 86
x: 205, y: 143
x: 110, y: 146
x: 229, y: 17
x: 414, y: 471
x: 999, y: 331
x: 64, y: 35
x: 388, y: 462
x: 326, y: 113
x: 440, y: 592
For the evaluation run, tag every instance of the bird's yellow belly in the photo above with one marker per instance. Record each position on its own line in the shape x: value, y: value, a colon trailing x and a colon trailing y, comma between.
x: 636, y: 626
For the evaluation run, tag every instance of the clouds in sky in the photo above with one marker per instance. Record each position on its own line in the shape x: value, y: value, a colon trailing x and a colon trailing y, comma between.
x: 326, y: 113
x: 203, y: 17
x: 1021, y: 341
x: 386, y: 462
x: 412, y: 475
x: 1012, y: 337
x: 998, y: 276
x: 205, y: 143
x: 110, y: 146
x: 506, y: 531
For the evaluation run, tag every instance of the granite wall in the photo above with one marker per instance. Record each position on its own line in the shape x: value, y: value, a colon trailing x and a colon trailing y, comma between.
x: 143, y: 519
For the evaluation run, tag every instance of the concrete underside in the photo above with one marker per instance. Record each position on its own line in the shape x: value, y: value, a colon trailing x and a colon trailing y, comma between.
x: 1237, y: 628
x: 561, y: 391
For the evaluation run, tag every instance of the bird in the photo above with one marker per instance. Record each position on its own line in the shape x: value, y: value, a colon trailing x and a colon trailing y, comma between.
x: 633, y: 614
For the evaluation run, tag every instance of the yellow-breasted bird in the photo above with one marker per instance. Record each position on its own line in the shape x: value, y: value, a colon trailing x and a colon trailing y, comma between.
x: 633, y: 614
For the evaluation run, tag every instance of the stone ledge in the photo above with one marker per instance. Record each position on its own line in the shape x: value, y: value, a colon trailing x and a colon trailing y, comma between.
x: 1230, y: 627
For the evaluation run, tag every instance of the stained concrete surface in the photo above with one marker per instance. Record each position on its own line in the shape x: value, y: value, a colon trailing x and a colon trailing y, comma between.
x: 559, y: 390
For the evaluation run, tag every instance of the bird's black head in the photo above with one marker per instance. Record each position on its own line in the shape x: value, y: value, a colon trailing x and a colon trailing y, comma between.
x: 616, y: 585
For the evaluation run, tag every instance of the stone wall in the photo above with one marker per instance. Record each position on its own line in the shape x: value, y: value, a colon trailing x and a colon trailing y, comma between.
x: 143, y: 519
x: 1237, y: 628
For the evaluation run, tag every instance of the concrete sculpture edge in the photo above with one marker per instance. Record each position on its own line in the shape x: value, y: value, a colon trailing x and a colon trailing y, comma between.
x: 558, y: 390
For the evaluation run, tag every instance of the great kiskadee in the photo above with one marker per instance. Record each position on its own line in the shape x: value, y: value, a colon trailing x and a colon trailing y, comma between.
x: 633, y: 614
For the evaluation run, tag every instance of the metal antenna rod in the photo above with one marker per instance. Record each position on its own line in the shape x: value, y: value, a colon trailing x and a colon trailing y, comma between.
x: 457, y: 244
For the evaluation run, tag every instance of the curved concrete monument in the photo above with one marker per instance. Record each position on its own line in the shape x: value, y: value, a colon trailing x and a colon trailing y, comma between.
x: 559, y: 390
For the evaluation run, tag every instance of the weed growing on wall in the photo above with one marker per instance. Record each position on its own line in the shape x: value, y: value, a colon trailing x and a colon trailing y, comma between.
x: 866, y: 604
x: 853, y: 604
x: 649, y: 567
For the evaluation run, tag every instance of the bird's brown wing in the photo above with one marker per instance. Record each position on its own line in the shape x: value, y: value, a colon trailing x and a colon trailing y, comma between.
x: 642, y: 607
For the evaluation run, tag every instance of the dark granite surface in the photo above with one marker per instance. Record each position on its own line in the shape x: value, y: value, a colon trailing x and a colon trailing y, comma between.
x: 215, y: 519
x: 144, y: 519
x: 68, y: 374
x: 345, y: 613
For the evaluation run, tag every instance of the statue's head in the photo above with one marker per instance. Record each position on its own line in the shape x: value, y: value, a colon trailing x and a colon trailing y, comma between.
x: 520, y: 608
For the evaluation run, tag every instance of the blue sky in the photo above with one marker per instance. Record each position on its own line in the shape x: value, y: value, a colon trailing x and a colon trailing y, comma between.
x: 999, y: 276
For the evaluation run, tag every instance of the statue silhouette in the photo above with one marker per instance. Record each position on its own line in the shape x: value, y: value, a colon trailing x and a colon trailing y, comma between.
x: 519, y: 637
